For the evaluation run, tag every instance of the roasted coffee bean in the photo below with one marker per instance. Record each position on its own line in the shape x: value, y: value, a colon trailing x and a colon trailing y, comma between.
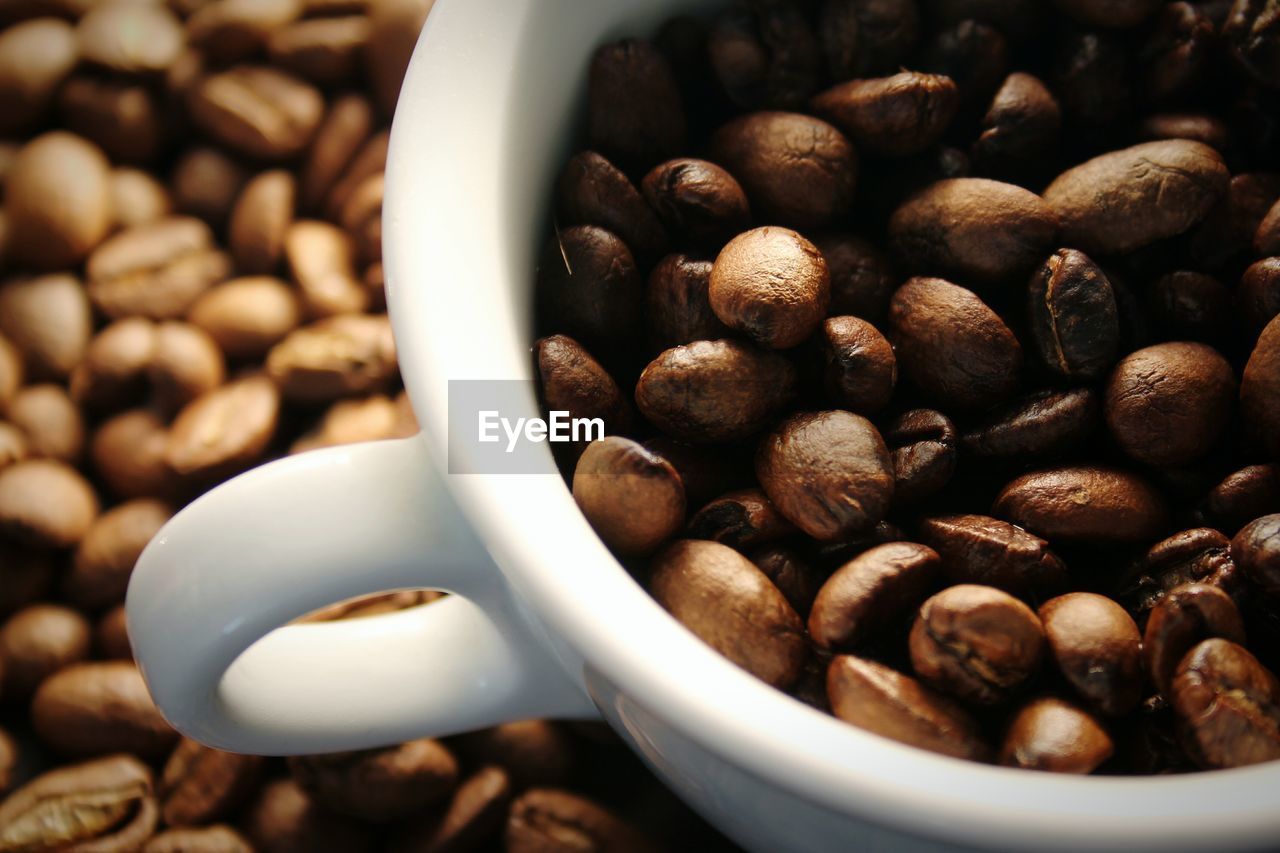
x: 365, y: 606
x: 1039, y: 426
x: 128, y: 453
x: 794, y: 577
x: 327, y: 51
x: 697, y: 200
x: 209, y: 839
x: 797, y: 170
x: 45, y: 503
x: 1198, y: 555
x: 718, y: 390
x: 532, y: 752
x: 284, y: 819
x: 677, y: 305
x: 260, y: 220
x: 1093, y: 75
x: 13, y: 444
x: 977, y: 549
x: 862, y: 278
x: 976, y: 643
x: 1229, y: 704
x: 633, y: 498
x: 707, y: 472
x: 347, y: 126
x: 104, y: 805
x: 205, y: 183
x: 379, y: 784
x: 731, y: 605
x: 1074, y: 320
x: 53, y: 426
x: 201, y: 785
x: 28, y: 577
x: 155, y: 270
x: 951, y: 345
x: 111, y: 635
x: 361, y: 217
x: 592, y: 191
x: 1176, y: 55
x: 1266, y: 240
x: 1084, y: 504
x: 36, y: 642
x: 371, y: 159
x: 1229, y: 228
x: 588, y: 281
x: 395, y: 25
x: 35, y: 57
x: 321, y: 259
x: 104, y: 559
x: 137, y: 198
x: 113, y: 372
x: 1256, y: 548
x: 99, y: 708
x: 892, y: 116
x: 922, y: 446
x: 874, y: 697
x: 187, y: 364
x: 770, y: 284
x: 1189, y: 306
x: 1097, y: 649
x: 635, y: 115
x: 1021, y: 126
x: 11, y: 368
x: 828, y: 473
x: 861, y: 370
x: 1258, y: 296
x: 1170, y: 403
x: 866, y: 595
x: 257, y: 111
x: 1251, y: 31
x: 246, y: 317
x: 765, y: 55
x: 58, y: 201
x: 1124, y: 200
x: 544, y: 819
x: 336, y: 357
x: 224, y: 431
x: 474, y: 815
x: 122, y: 116
x: 1185, y: 616
x: 1049, y: 734
x: 740, y: 519
x: 1242, y: 496
x: 49, y: 319
x: 974, y: 229
x: 1260, y: 387
x: 1197, y: 127
x: 9, y: 758
x: 130, y: 38
x: 570, y: 380
x: 860, y: 37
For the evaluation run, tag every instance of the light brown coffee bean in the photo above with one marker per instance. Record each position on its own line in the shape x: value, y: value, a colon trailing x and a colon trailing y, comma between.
x: 720, y: 596
x: 104, y: 805
x: 9, y: 757
x: 874, y: 697
x: 38, y: 641
x: 257, y: 111
x: 1185, y: 616
x: 218, y: 838
x: 1052, y: 735
x: 395, y: 27
x: 130, y: 38
x: 978, y: 549
x: 111, y: 635
x: 829, y: 473
x: 951, y: 345
x: 128, y: 453
x: 58, y: 201
x: 201, y: 785
x: 976, y: 643
x: 205, y: 183
x: 260, y: 220
x: 1097, y: 648
x: 474, y: 815
x: 35, y: 57
x: 53, y: 426
x: 327, y: 51
x: 532, y: 752
x: 1229, y: 704
x: 224, y: 431
x: 346, y: 127
x: 1127, y: 199
x: 246, y: 317
x: 544, y: 819
x: 379, y: 784
x: 974, y: 229
x: 891, y: 116
x: 48, y: 318
x: 350, y: 421
x: 45, y: 503
x: 1084, y: 505
x: 369, y: 160
x: 772, y: 285
x: 104, y: 559
x: 336, y: 357
x: 231, y: 30
x: 1260, y: 388
x: 137, y: 198
x: 632, y: 497
x: 99, y: 708
x: 113, y: 372
x: 284, y: 819
x: 155, y: 270
x: 740, y: 519
x: 861, y: 370
x: 11, y: 370
x: 868, y: 593
x: 13, y: 444
x: 362, y: 218
x: 718, y: 390
x: 365, y: 606
x: 187, y: 363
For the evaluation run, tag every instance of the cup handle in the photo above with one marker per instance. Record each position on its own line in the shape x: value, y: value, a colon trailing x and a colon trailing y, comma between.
x: 210, y: 594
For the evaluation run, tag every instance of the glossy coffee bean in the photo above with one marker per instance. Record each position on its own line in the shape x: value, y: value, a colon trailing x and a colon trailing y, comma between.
x: 697, y: 200
x: 1242, y: 496
x: 772, y: 285
x: 1096, y: 647
x: 892, y: 116
x: 869, y: 592
x: 1258, y: 296
x: 1074, y: 319
x: 922, y: 445
x: 1052, y: 735
x: 592, y: 191
x: 1260, y: 388
x: 633, y: 498
x: 740, y: 519
x: 977, y: 549
x: 1256, y: 549
x: 1185, y: 616
x: 1038, y: 426
x: 1084, y: 505
x: 570, y: 380
x: 861, y: 370
x: 1198, y: 555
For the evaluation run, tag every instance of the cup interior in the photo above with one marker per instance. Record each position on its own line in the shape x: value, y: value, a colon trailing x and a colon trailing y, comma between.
x: 489, y: 111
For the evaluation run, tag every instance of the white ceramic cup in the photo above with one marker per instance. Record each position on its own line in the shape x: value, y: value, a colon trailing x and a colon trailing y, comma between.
x: 543, y: 620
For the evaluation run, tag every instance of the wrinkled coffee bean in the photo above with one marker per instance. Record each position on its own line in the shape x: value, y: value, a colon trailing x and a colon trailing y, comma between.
x: 1084, y: 505
x: 98, y: 708
x: 869, y: 592
x: 770, y: 284
x: 379, y: 784
x: 976, y: 643
x: 677, y: 304
x: 861, y: 370
x: 732, y: 606
x: 592, y: 191
x: 976, y: 549
x: 1185, y: 616
x: 1230, y: 705
x: 922, y: 444
x: 633, y: 498
x: 697, y: 200
x: 1039, y: 426
x: 1049, y: 734
x: 1198, y: 555
x: 1097, y: 649
x: 892, y: 116
x: 740, y: 519
x: 544, y: 819
x: 571, y: 380
x: 1074, y: 319
x: 200, y: 785
x: 1256, y: 549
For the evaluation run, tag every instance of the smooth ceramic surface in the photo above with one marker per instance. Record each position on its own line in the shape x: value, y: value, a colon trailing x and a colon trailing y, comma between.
x: 486, y: 116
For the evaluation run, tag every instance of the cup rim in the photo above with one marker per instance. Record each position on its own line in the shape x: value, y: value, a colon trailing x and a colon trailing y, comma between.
x: 432, y: 214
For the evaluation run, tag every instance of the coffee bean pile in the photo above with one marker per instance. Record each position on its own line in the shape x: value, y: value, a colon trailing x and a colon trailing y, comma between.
x: 937, y: 347
x: 191, y: 284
